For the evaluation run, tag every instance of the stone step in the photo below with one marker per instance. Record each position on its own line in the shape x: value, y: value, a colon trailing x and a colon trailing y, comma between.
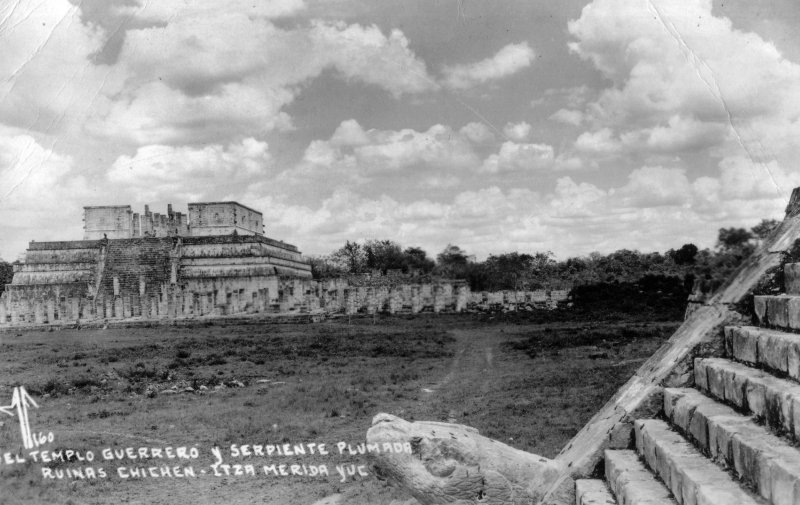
x: 692, y: 478
x: 772, y: 349
x: 631, y: 481
x: 764, y: 461
x: 782, y: 311
x: 593, y: 492
x: 791, y: 278
x: 776, y: 401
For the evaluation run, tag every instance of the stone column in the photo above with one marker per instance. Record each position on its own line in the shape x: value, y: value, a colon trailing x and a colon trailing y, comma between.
x: 416, y: 299
x: 163, y: 302
x: 38, y: 312
x: 88, y: 308
x: 461, y: 298
x: 438, y: 299
x: 171, y: 305
x: 144, y: 305
x: 391, y: 304
x: 14, y: 310
x: 372, y: 306
x: 205, y: 303
x: 349, y: 302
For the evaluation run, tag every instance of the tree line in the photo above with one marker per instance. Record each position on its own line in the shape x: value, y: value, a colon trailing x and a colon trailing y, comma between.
x: 538, y: 269
x: 541, y: 270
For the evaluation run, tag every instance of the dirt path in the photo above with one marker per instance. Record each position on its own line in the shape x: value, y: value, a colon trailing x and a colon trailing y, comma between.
x: 472, y: 369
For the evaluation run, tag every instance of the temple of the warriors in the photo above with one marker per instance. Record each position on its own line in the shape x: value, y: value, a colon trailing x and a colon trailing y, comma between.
x: 212, y: 261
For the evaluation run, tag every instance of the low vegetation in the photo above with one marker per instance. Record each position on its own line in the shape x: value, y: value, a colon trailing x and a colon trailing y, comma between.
x: 528, y: 384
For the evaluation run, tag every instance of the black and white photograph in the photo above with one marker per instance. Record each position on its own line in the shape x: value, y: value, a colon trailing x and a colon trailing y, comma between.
x: 400, y: 252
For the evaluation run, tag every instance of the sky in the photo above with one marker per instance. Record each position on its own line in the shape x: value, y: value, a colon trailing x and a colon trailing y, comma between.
x: 498, y: 126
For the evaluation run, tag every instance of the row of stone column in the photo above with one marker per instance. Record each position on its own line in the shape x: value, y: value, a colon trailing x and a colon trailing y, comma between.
x: 406, y: 298
x: 171, y: 303
x: 43, y: 311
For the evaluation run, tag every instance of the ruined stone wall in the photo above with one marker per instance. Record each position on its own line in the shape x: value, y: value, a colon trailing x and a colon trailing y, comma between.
x: 171, y: 224
x: 157, y: 290
x: 172, y: 277
x: 150, y: 277
x: 112, y: 222
x: 210, y: 276
x: 45, y: 303
x: 518, y: 300
x: 223, y: 218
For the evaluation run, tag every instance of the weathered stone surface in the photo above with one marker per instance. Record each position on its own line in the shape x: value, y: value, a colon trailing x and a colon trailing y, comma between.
x: 791, y: 278
x: 685, y: 414
x: 774, y: 349
x: 692, y: 478
x: 631, y: 482
x: 450, y: 463
x: 782, y: 311
x: 778, y: 311
x: 776, y: 400
x: 593, y: 492
x: 760, y: 308
x: 716, y: 381
x: 764, y: 461
x: 794, y: 312
x: 742, y: 343
x: 700, y: 374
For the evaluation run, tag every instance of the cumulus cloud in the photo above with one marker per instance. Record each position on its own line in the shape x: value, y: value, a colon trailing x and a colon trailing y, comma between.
x: 472, y: 219
x: 220, y: 75
x: 650, y: 187
x: 682, y: 134
x: 158, y: 114
x: 359, y: 154
x: 506, y: 62
x: 439, y: 157
x: 437, y: 147
x: 566, y: 161
x: 599, y: 142
x: 159, y: 173
x: 519, y: 157
x: 40, y: 191
x: 739, y: 181
x: 568, y: 116
x: 477, y: 132
x: 44, y: 85
x: 517, y: 131
x: 167, y: 11
x: 366, y: 54
x: 655, y: 208
x: 682, y: 77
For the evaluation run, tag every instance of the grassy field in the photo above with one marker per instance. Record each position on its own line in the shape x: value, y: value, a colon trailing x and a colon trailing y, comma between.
x: 531, y: 385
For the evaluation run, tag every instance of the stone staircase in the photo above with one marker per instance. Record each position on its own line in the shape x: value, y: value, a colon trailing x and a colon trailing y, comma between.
x: 732, y: 438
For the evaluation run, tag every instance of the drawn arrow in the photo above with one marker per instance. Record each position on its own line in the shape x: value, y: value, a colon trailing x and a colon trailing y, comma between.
x: 22, y: 401
x: 6, y: 409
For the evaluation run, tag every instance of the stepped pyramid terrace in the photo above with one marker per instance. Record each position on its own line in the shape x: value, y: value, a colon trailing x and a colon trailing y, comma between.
x: 153, y: 265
